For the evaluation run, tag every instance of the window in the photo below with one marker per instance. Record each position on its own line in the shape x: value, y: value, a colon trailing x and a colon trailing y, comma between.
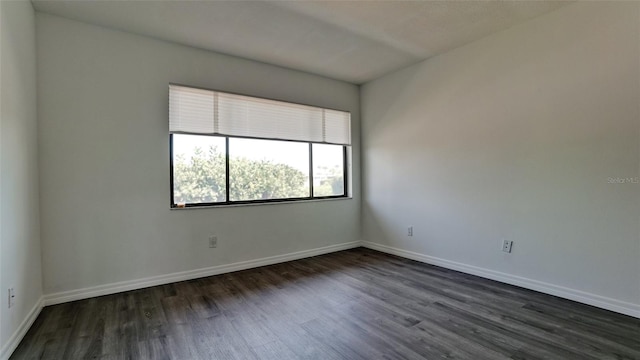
x: 235, y: 149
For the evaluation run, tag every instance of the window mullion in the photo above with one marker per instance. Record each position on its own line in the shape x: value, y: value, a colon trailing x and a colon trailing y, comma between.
x: 173, y: 201
x: 227, y: 175
x: 345, y: 171
x: 311, y: 170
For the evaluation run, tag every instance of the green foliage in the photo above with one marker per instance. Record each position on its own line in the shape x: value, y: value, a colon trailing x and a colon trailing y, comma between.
x: 255, y: 180
x: 333, y: 184
x: 202, y: 179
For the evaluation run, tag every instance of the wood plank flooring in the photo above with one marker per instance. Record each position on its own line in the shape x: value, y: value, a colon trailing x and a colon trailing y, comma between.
x: 354, y: 304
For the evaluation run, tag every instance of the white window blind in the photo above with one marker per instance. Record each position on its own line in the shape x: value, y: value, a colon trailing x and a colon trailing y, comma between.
x: 197, y: 111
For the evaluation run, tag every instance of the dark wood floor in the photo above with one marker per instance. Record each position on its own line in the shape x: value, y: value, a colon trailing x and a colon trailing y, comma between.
x: 355, y: 304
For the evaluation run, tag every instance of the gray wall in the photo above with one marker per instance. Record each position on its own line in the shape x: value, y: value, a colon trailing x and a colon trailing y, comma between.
x: 104, y: 150
x: 515, y: 137
x: 19, y: 224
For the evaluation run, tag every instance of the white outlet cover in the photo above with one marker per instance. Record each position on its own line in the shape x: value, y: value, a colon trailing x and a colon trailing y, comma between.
x: 12, y: 297
x: 506, y: 246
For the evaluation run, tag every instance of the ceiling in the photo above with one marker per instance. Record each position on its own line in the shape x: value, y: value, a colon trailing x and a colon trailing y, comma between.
x: 354, y: 41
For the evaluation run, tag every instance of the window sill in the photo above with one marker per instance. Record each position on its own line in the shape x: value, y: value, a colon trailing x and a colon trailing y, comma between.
x: 260, y: 203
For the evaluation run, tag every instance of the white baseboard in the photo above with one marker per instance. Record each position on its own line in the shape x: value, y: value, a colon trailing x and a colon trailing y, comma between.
x: 112, y: 288
x: 543, y: 287
x: 21, y: 331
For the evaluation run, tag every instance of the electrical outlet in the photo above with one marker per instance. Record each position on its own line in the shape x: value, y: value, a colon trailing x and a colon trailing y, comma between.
x: 213, y: 241
x: 507, y: 245
x: 410, y: 231
x: 12, y: 297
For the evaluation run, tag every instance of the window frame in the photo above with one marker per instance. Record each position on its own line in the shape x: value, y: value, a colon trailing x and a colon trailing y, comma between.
x: 311, y: 197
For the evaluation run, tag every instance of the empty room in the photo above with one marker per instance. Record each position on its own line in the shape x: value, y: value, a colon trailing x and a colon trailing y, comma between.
x: 346, y: 179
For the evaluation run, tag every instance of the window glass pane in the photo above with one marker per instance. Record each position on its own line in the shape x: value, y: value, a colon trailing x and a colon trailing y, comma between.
x: 198, y: 169
x: 328, y: 170
x: 268, y: 169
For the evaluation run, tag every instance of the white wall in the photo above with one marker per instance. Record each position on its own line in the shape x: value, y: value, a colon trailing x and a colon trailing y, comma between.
x: 514, y: 137
x: 19, y: 224
x: 103, y: 105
